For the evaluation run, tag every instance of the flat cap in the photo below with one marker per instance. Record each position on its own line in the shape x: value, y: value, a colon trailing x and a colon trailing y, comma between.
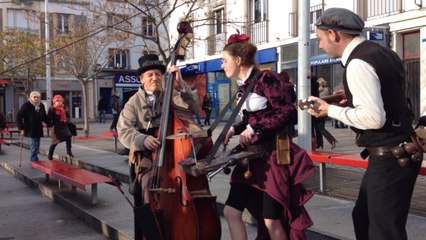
x: 341, y: 20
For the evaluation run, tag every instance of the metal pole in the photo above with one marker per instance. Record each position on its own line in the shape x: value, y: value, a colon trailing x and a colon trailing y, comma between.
x: 303, y: 75
x: 48, y: 79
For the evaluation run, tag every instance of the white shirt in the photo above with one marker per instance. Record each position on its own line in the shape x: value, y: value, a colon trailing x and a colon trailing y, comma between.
x: 364, y: 85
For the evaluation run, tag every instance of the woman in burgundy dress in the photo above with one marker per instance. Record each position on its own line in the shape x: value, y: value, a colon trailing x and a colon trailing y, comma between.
x: 274, y: 188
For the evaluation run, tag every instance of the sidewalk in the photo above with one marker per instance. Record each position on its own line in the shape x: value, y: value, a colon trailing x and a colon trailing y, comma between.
x: 113, y: 216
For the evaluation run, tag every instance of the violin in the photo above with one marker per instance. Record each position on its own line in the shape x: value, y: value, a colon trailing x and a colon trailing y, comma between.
x: 333, y: 98
x: 182, y: 205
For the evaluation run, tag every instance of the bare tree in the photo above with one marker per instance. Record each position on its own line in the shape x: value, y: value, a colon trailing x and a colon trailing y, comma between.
x: 153, y: 19
x: 84, y: 57
x: 18, y: 49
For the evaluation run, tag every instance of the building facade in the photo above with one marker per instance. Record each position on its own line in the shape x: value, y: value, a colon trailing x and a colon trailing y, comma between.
x: 112, y: 69
x: 397, y: 24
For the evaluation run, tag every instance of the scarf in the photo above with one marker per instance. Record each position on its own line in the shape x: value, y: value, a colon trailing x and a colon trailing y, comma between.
x: 35, y: 104
x: 61, y: 112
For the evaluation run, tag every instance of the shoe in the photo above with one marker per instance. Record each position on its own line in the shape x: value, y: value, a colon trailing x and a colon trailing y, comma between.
x: 333, y: 144
x: 70, y: 155
x: 320, y: 147
x: 50, y: 157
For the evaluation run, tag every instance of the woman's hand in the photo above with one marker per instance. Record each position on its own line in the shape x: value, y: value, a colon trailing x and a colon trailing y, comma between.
x: 228, y: 136
x: 151, y: 143
x: 245, y: 137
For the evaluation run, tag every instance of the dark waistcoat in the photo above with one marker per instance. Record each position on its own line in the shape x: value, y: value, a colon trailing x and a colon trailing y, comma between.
x: 389, y: 69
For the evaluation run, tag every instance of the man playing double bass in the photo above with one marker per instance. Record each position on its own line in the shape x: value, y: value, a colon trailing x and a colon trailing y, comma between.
x: 139, y: 122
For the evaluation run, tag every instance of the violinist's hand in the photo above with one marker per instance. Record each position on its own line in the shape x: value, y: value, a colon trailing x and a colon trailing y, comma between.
x: 320, y: 107
x: 151, y: 143
x: 344, y: 101
x: 245, y: 137
x: 228, y: 136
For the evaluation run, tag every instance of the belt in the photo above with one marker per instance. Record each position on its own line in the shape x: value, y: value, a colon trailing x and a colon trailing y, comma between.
x: 379, y: 151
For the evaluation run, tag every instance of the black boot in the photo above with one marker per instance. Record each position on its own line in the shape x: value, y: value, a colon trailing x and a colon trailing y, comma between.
x: 68, y: 145
x: 51, y: 150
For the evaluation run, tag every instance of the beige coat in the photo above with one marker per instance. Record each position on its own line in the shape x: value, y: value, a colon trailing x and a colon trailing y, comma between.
x: 133, y: 116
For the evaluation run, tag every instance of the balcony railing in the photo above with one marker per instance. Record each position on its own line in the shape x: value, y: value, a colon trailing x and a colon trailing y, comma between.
x: 379, y: 8
x: 314, y: 13
x: 258, y: 32
x: 25, y: 30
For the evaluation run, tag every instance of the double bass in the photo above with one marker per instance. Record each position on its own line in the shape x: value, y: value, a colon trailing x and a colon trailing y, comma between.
x: 181, y: 204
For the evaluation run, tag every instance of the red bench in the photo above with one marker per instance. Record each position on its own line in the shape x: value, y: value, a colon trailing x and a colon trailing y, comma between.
x: 113, y: 134
x: 74, y: 175
x: 342, y: 159
x: 2, y: 141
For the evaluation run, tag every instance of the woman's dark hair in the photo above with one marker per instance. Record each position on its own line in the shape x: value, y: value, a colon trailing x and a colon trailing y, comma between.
x: 286, y: 77
x: 246, y: 51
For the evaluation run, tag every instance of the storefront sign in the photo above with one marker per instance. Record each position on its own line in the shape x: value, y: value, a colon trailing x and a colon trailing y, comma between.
x: 323, y: 60
x: 122, y: 80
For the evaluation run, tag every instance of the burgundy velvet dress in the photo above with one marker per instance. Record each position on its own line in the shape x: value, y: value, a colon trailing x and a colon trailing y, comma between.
x: 281, y: 182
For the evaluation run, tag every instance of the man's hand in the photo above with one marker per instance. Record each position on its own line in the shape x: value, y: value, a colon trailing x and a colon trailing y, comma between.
x: 151, y: 143
x: 319, y: 107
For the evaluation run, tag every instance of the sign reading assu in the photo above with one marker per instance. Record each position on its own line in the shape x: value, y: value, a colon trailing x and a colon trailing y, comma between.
x: 126, y: 80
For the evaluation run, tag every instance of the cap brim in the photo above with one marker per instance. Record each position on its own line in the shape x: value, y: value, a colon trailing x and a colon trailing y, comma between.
x: 342, y: 30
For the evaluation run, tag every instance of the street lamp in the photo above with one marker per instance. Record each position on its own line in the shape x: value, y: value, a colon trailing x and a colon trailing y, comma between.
x: 48, y: 80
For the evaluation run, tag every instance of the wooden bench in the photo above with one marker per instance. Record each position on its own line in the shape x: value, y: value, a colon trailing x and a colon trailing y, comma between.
x: 342, y: 159
x: 9, y: 132
x: 114, y: 135
x: 74, y: 175
x: 2, y: 141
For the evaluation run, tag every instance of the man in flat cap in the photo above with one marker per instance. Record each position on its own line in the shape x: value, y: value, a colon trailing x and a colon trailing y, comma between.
x: 137, y: 129
x: 376, y: 108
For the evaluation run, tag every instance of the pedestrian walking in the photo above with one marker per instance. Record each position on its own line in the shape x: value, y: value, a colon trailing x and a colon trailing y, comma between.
x: 207, y: 107
x: 116, y: 109
x: 30, y: 120
x: 58, y: 119
x: 102, y: 107
x: 320, y: 130
x: 377, y: 110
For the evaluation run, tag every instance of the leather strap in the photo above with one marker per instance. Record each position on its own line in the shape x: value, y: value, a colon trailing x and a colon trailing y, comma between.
x: 380, y: 151
x: 230, y: 121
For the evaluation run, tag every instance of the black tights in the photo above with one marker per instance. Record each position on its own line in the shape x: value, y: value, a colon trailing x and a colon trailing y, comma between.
x: 53, y: 146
